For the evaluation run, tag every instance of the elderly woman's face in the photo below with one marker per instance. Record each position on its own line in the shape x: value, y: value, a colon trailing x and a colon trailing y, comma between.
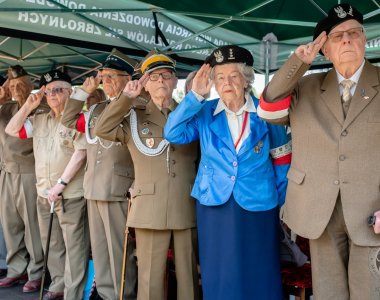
x: 229, y: 82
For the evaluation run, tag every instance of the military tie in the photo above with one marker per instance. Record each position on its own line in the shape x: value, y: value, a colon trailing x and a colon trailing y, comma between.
x: 346, y: 96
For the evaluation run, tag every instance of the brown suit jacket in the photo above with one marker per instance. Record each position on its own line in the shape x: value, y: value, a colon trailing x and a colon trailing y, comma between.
x: 331, y: 154
x: 161, y: 192
x: 109, y: 170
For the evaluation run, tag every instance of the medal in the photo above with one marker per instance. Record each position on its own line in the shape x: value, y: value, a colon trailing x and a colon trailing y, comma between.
x: 145, y: 131
x: 149, y: 142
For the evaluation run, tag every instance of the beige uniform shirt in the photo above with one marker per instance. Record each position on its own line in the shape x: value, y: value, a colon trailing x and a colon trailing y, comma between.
x: 163, y: 182
x: 16, y: 155
x: 109, y: 170
x: 54, y: 144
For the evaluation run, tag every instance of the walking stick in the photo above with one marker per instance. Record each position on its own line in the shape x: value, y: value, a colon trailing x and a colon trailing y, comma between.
x: 124, y: 256
x: 47, y: 249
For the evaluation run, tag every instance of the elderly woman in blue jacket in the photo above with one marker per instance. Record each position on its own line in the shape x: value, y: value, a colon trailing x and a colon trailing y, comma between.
x: 241, y: 179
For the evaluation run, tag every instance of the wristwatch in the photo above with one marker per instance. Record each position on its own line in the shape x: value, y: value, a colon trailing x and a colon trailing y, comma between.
x: 61, y: 181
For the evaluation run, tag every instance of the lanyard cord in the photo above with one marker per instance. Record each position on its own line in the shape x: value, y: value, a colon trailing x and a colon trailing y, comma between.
x: 242, y: 130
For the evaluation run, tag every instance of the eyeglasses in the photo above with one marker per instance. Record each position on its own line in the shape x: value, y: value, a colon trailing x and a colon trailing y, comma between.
x: 352, y: 33
x: 164, y: 75
x: 53, y: 91
x: 111, y: 76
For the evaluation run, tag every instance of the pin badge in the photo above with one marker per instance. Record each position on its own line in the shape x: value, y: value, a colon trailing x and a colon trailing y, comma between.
x: 365, y: 97
x: 149, y: 142
x: 145, y: 130
x: 256, y: 149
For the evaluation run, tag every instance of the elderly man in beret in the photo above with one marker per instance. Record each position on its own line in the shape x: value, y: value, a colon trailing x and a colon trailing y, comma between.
x: 60, y: 154
x: 108, y: 177
x: 162, y: 209
x: 19, y: 210
x: 241, y: 179
x: 334, y: 178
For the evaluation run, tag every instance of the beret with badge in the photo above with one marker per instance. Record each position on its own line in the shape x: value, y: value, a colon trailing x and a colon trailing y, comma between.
x: 337, y: 15
x: 54, y: 75
x: 16, y: 72
x: 155, y: 60
x: 119, y: 61
x: 229, y: 54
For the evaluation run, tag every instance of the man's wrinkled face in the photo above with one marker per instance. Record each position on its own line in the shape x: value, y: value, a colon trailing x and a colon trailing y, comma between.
x: 114, y: 81
x: 345, y: 44
x: 20, y: 88
x: 161, y: 83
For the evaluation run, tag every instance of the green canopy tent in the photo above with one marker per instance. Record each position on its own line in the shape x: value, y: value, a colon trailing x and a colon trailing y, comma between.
x: 77, y: 35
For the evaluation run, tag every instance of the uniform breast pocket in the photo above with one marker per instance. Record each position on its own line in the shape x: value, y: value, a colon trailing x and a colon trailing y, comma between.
x: 296, y: 176
x: 66, y: 139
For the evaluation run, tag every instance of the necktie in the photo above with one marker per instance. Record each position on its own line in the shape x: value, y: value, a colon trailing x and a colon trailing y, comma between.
x: 347, y: 84
x: 165, y: 112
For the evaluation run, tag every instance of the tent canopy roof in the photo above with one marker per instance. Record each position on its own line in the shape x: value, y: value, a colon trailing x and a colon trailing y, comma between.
x: 77, y: 35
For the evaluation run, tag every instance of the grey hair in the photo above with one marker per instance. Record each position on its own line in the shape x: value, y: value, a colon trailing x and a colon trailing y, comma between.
x: 247, y: 73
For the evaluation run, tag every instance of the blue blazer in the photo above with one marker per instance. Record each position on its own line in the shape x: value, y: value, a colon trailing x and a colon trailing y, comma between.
x: 256, y: 183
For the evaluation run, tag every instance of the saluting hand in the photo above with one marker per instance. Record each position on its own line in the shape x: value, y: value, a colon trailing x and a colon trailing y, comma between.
x: 202, y: 83
x: 308, y: 52
x: 133, y: 88
x: 34, y: 100
x: 91, y: 84
x: 4, y: 91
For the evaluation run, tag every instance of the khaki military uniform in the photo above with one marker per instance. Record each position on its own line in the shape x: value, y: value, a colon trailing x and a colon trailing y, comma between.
x: 161, y: 204
x: 18, y: 199
x: 54, y: 145
x: 108, y: 176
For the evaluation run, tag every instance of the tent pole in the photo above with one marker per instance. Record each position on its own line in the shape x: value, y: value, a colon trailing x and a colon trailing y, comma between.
x: 267, y: 56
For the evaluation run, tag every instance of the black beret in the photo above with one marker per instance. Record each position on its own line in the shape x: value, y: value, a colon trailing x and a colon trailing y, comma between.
x: 16, y: 72
x: 229, y: 54
x: 2, y: 80
x: 119, y: 61
x: 54, y: 75
x: 337, y: 14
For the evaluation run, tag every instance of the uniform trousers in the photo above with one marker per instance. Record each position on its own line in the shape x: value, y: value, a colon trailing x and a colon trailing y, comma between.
x: 18, y: 199
x: 152, y: 251
x: 107, y: 220
x: 69, y: 245
x: 3, y: 249
x: 342, y: 270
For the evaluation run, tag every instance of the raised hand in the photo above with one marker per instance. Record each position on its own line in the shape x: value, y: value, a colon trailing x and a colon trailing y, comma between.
x: 133, y: 87
x: 34, y: 100
x: 91, y: 84
x: 308, y: 52
x: 4, y: 91
x: 202, y: 83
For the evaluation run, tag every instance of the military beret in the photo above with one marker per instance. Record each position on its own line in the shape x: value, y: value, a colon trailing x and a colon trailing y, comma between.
x: 16, y: 72
x: 155, y: 60
x: 119, y: 61
x: 2, y: 80
x: 337, y: 14
x: 54, y: 75
x: 229, y: 54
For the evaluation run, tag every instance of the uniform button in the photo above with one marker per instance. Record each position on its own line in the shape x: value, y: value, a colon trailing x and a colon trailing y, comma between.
x: 99, y: 152
x: 138, y: 191
x: 336, y: 182
x: 173, y: 162
x: 98, y: 161
x: 342, y: 157
x: 233, y: 178
x: 172, y: 174
x: 234, y: 163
